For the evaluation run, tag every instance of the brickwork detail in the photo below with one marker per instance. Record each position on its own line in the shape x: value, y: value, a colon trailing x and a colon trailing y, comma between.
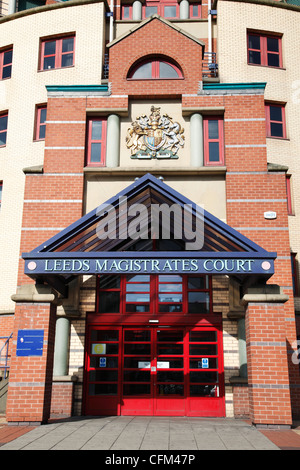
x: 30, y: 379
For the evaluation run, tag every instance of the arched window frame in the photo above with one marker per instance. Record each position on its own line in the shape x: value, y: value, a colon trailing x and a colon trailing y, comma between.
x: 155, y: 61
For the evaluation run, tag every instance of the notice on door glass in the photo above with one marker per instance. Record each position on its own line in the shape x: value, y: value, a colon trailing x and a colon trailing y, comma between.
x: 98, y: 348
x: 144, y: 365
x: 163, y: 365
x: 203, y: 364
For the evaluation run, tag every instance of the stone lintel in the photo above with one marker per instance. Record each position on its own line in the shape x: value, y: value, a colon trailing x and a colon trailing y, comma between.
x: 28, y: 293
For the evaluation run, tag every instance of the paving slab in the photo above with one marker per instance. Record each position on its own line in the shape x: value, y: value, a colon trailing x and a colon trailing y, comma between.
x: 129, y: 433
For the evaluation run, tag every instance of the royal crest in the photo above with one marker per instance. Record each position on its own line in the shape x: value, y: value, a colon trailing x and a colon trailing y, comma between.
x: 155, y: 136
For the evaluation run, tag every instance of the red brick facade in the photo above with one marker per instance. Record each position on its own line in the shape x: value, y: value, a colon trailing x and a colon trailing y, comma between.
x: 270, y: 333
x: 30, y: 380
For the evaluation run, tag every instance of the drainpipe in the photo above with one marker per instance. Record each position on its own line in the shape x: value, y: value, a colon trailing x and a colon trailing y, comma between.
x: 209, y: 33
x: 111, y: 21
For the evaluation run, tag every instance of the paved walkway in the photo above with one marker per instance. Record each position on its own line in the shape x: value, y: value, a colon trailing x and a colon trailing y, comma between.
x: 155, y: 434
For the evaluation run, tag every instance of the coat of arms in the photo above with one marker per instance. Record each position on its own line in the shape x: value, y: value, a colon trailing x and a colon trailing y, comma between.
x: 155, y: 136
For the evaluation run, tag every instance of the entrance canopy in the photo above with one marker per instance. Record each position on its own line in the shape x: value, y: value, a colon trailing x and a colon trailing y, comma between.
x: 147, y: 228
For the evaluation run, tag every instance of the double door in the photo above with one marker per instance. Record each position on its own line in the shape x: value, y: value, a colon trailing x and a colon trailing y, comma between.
x: 154, y: 371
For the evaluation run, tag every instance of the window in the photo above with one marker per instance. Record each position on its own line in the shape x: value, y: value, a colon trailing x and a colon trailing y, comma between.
x: 288, y: 179
x: 57, y: 53
x: 96, y: 142
x: 40, y: 128
x: 264, y: 50
x: 5, y: 63
x: 148, y: 294
x: 213, y: 140
x: 155, y: 69
x: 275, y: 120
x: 1, y: 188
x: 3, y: 129
x: 166, y: 9
x: 195, y: 10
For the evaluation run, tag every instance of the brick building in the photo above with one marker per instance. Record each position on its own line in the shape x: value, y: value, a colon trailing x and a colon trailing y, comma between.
x: 150, y: 209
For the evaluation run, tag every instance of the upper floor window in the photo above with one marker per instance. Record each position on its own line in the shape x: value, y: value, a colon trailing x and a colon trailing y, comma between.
x: 5, y: 63
x: 57, y: 53
x: 155, y: 69
x: 96, y: 145
x: 213, y: 140
x: 3, y: 128
x: 275, y: 120
x: 265, y: 50
x: 195, y: 10
x: 164, y: 8
x: 40, y: 126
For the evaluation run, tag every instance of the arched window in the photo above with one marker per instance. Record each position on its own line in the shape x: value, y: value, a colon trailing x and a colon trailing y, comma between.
x: 155, y: 69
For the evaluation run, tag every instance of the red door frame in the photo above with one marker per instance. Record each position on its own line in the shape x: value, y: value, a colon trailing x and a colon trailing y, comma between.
x: 153, y: 404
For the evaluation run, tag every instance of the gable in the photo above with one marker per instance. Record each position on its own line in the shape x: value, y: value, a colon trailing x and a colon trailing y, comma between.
x: 155, y: 37
x: 123, y: 235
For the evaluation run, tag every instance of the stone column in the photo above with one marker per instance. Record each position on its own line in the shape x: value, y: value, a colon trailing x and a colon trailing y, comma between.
x: 137, y: 10
x: 61, y: 349
x: 196, y: 129
x: 242, y: 347
x: 184, y: 10
x: 268, y: 376
x: 113, y: 141
x: 12, y: 6
x: 30, y: 378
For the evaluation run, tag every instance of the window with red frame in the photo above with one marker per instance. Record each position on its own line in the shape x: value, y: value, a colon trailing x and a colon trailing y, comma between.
x: 148, y: 294
x: 155, y: 69
x: 6, y: 63
x: 126, y: 12
x: 289, y: 194
x: 264, y: 49
x: 96, y: 148
x: 195, y: 10
x: 275, y: 120
x: 166, y: 9
x: 213, y: 140
x: 41, y: 116
x: 57, y: 53
x: 3, y: 129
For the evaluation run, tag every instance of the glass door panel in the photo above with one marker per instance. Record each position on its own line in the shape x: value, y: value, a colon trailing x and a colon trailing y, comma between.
x: 205, y: 374
x: 154, y: 371
x: 102, y: 376
x: 136, y: 374
x: 169, y: 380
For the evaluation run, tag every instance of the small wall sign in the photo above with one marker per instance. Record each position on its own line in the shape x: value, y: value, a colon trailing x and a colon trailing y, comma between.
x: 270, y: 215
x: 30, y: 343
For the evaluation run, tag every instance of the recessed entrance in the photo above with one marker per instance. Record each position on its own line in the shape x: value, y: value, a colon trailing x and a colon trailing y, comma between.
x: 162, y: 371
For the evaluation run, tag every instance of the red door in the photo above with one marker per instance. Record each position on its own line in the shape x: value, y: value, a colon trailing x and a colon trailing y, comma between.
x: 154, y: 371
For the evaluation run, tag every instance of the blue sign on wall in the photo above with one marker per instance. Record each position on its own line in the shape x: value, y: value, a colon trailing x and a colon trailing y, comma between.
x: 30, y: 343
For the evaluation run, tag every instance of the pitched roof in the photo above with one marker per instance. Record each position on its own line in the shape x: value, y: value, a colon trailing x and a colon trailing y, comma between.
x: 81, y: 248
